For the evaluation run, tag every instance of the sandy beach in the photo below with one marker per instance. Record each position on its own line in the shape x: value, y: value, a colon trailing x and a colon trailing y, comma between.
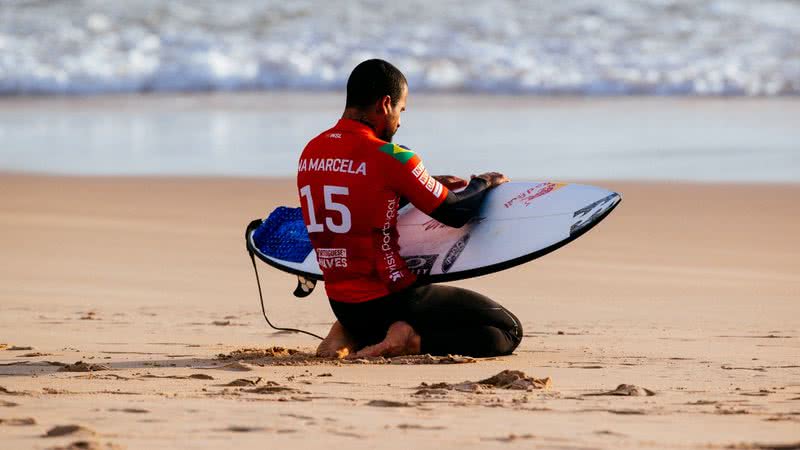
x: 687, y: 291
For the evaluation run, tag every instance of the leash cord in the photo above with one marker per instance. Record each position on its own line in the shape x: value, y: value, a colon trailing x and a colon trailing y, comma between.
x: 264, y: 311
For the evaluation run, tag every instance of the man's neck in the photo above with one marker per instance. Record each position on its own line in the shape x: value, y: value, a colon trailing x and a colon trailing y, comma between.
x: 359, y: 116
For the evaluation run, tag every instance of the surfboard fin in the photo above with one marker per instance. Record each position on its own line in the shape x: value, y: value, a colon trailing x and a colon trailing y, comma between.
x: 304, y: 287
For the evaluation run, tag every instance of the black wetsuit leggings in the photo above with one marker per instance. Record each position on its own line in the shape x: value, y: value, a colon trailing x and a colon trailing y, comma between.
x: 449, y: 320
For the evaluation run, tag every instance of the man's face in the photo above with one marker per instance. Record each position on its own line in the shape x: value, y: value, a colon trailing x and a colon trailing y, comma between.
x: 393, y: 116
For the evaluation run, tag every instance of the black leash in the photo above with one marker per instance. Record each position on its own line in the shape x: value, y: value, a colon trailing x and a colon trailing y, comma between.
x: 264, y: 311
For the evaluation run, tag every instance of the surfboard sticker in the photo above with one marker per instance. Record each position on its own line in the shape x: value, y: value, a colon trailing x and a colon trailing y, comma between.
x: 518, y: 222
x: 589, y: 212
x: 421, y: 264
x: 454, y: 252
x: 527, y: 196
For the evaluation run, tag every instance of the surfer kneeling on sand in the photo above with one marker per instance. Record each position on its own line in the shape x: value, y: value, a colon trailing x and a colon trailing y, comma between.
x: 352, y: 180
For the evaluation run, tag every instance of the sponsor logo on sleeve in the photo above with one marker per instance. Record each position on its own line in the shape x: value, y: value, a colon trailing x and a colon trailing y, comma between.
x: 430, y: 183
x: 418, y: 170
x: 455, y: 251
x: 437, y: 190
x: 424, y: 177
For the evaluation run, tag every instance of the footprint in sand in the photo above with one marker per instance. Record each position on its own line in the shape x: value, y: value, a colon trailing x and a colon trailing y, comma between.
x: 130, y: 410
x: 510, y: 438
x: 15, y: 348
x: 703, y: 402
x: 244, y: 429
x: 609, y: 433
x: 200, y: 376
x: 194, y: 376
x: 432, y: 391
x: 297, y: 416
x: 388, y: 404
x: 34, y: 355
x: 249, y: 429
x: 10, y: 392
x: 517, y: 380
x: 270, y: 388
x: 15, y: 363
x: 81, y: 366
x: 68, y: 430
x: 235, y: 366
x: 241, y: 382
x: 507, y: 379
x: 630, y: 390
x: 345, y: 433
x: 88, y: 445
x: 413, y: 426
x: 16, y: 422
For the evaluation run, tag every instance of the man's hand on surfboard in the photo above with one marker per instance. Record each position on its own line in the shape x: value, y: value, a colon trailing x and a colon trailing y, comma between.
x: 493, y: 178
x: 451, y: 182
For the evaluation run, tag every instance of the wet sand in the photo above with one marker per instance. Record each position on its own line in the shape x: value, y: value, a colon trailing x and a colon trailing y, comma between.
x: 130, y: 312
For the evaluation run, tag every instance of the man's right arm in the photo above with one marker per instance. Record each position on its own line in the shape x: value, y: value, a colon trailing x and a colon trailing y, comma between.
x: 411, y: 180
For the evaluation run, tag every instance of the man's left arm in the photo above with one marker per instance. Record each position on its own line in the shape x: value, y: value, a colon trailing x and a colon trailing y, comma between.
x: 451, y: 182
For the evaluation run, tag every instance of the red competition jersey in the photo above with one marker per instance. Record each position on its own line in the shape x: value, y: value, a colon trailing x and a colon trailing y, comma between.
x: 350, y: 182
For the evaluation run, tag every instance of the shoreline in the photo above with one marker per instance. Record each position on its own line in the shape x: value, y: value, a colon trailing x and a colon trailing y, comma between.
x: 645, y: 138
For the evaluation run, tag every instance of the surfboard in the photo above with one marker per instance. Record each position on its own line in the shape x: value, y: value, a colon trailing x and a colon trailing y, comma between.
x: 517, y: 222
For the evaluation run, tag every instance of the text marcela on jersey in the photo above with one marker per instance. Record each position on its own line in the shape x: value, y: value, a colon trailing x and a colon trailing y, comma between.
x: 332, y: 165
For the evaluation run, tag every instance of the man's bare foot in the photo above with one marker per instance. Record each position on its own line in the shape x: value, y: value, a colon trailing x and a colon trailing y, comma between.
x: 401, y: 339
x: 338, y: 343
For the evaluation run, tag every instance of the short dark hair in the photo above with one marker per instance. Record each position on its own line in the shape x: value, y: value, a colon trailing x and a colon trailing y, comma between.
x: 371, y: 80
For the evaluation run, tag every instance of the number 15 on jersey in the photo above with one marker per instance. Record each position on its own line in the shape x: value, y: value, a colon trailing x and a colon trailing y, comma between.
x: 330, y: 206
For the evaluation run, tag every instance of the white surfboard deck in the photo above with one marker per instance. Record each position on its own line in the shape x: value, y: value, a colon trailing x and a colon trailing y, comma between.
x: 518, y: 222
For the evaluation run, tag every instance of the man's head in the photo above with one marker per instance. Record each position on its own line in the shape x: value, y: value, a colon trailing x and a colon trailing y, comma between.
x: 376, y: 93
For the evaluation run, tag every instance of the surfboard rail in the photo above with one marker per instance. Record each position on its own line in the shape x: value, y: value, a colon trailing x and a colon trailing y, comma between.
x: 588, y: 217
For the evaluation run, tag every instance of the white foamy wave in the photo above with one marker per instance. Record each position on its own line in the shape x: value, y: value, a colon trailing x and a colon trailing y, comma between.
x: 663, y: 47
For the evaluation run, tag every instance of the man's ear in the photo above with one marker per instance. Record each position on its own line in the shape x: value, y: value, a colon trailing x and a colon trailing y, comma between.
x: 385, y: 105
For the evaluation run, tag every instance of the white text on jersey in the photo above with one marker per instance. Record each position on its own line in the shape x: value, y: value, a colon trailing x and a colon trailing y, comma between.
x: 332, y: 165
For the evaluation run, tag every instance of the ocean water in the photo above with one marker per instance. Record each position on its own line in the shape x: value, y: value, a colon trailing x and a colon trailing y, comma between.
x: 574, y: 89
x: 587, y: 47
x: 262, y: 134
